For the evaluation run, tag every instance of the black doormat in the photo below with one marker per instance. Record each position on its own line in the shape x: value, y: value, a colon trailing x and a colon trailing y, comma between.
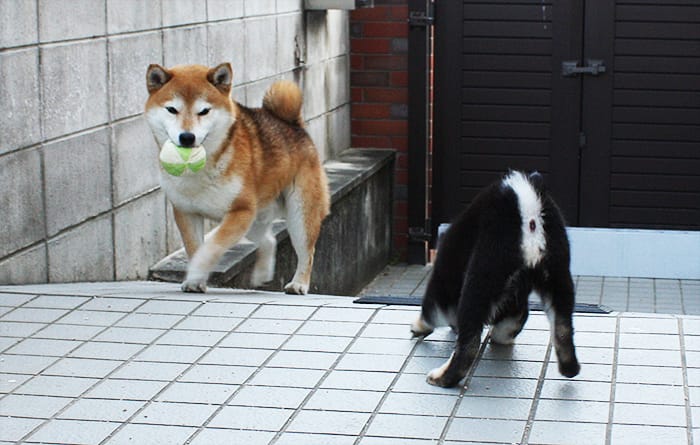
x: 585, y: 308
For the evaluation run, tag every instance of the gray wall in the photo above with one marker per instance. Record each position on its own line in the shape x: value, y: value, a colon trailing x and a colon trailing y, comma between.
x: 79, y: 194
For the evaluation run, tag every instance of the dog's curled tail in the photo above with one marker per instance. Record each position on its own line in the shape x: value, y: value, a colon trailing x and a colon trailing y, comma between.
x: 284, y: 100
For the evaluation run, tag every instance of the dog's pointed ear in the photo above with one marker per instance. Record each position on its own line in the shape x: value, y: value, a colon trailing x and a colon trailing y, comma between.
x: 156, y: 77
x: 221, y: 77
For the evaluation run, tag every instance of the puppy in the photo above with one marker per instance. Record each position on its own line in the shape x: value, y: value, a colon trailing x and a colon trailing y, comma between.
x: 510, y: 241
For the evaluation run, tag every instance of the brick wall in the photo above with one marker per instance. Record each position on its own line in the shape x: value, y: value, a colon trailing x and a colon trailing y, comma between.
x: 79, y: 192
x: 379, y: 92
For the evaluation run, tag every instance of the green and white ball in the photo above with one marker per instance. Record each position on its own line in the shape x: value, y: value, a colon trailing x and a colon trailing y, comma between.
x: 177, y: 160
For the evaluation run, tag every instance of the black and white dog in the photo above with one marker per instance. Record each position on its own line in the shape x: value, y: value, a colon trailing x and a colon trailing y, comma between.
x: 510, y: 241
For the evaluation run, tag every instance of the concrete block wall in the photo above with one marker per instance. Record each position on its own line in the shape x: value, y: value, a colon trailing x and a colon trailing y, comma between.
x: 79, y: 194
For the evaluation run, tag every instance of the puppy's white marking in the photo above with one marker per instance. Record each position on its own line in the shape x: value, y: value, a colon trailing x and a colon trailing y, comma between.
x: 533, y: 241
x: 437, y: 373
x: 502, y: 332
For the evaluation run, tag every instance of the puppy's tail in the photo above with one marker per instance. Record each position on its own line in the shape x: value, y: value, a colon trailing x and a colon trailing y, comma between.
x: 284, y: 100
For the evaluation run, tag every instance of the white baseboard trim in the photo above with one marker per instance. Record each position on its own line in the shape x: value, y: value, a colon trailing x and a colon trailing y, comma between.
x: 635, y: 253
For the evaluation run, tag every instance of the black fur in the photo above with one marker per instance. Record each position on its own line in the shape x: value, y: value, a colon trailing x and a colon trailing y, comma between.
x: 480, y: 277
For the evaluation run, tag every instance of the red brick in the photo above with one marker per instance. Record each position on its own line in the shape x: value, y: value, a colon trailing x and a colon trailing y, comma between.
x: 399, y: 143
x: 370, y: 14
x: 362, y: 141
x: 357, y: 62
x: 372, y: 79
x: 385, y: 29
x: 386, y: 62
x: 398, y: 12
x: 396, y: 95
x: 379, y: 128
x: 398, y: 79
x: 356, y: 93
x: 401, y: 176
x: 371, y: 46
x: 370, y: 111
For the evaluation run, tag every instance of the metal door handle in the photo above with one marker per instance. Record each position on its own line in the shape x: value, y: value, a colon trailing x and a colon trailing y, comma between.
x: 570, y: 68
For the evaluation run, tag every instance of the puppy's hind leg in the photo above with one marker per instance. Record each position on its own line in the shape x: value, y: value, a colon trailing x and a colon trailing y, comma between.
x: 558, y: 299
x: 261, y: 234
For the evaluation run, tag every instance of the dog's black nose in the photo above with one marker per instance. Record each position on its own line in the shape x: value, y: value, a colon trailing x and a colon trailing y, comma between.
x: 187, y: 139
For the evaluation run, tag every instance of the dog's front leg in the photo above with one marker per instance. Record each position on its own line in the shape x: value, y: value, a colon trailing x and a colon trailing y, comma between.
x: 191, y: 227
x: 232, y: 228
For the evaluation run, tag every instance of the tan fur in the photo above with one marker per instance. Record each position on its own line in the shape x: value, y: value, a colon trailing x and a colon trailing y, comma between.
x: 254, y: 156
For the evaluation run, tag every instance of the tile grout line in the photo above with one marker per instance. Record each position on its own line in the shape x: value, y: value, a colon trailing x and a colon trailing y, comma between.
x: 324, y: 377
x: 260, y: 367
x: 79, y: 397
x: 388, y: 391
x: 613, y: 382
x: 188, y: 368
x: 524, y: 440
x: 686, y: 389
x: 463, y: 389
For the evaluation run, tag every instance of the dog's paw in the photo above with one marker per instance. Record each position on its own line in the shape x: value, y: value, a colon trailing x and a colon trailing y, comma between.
x: 194, y: 286
x: 260, y: 277
x: 420, y: 328
x: 570, y: 369
x: 296, y: 288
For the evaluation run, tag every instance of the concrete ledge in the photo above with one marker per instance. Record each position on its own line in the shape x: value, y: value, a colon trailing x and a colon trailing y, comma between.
x: 355, y: 242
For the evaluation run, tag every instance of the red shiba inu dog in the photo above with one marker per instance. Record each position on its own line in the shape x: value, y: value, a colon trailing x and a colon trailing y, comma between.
x: 259, y: 163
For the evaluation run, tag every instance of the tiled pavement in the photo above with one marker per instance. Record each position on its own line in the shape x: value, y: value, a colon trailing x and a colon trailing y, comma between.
x: 142, y: 363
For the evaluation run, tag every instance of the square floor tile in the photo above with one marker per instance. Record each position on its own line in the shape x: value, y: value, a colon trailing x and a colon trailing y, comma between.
x: 126, y: 389
x: 251, y: 418
x: 492, y: 430
x: 91, y: 318
x: 112, y: 304
x: 344, y: 400
x: 211, y: 436
x: 24, y: 364
x: 329, y: 422
x: 169, y: 413
x: 8, y: 382
x: 649, y: 357
x: 15, y: 300
x: 214, y: 394
x: 572, y: 411
x: 420, y: 404
x: 395, y: 331
x: 639, y: 434
x: 43, y: 346
x: 82, y: 367
x: 223, y: 324
x: 56, y: 386
x: 656, y: 375
x: 652, y: 394
x: 265, y: 326
x: 253, y: 341
x: 396, y: 425
x: 575, y: 433
x: 13, y: 429
x: 108, y: 351
x: 284, y: 312
x: 171, y: 353
x: 589, y: 372
x: 416, y: 383
x: 34, y: 315
x: 218, y: 309
x: 129, y: 335
x: 41, y: 407
x: 331, y: 328
x: 270, y: 397
x: 362, y: 380
x: 151, y: 434
x: 168, y: 307
x: 147, y: 320
x: 497, y: 387
x: 56, y: 302
x: 657, y: 415
x: 311, y: 343
x: 649, y: 341
x: 68, y: 332
x: 19, y: 329
x: 303, y: 360
x: 150, y: 371
x: 400, y: 317
x: 532, y: 353
x: 442, y: 349
x: 289, y: 377
x: 190, y: 338
x: 73, y: 432
x: 343, y: 314
x: 494, y: 408
x: 401, y: 441
x: 508, y: 368
x: 314, y: 439
x: 102, y: 409
x: 576, y: 390
x: 236, y: 356
x: 371, y: 362
x: 233, y: 375
x: 390, y: 346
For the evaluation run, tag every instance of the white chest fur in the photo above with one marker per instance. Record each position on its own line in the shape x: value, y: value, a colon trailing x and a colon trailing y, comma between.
x: 203, y: 193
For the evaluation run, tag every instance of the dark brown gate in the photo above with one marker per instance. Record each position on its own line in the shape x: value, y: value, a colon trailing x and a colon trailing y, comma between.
x: 603, y: 98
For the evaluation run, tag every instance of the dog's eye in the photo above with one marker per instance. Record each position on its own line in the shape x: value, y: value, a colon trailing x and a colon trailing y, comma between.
x: 171, y: 110
x: 204, y: 111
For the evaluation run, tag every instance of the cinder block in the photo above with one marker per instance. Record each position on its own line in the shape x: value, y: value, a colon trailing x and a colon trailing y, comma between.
x: 224, y: 9
x: 74, y: 85
x: 290, y: 6
x: 337, y: 81
x: 83, y: 253
x: 290, y: 39
x: 139, y: 236
x: 184, y: 12
x: 227, y: 44
x: 60, y: 20
x: 318, y: 130
x: 260, y: 47
x: 316, y: 36
x: 132, y: 15
x: 255, y: 92
x: 17, y: 23
x: 77, y: 175
x: 338, y: 26
x: 338, y: 131
x: 19, y: 94
x: 314, y: 87
x: 185, y: 45
x: 25, y: 267
x: 21, y: 201
x: 135, y: 160
x: 129, y: 58
x: 259, y: 7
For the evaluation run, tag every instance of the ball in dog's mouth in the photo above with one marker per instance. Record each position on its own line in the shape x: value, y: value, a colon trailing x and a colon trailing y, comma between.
x: 177, y: 160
